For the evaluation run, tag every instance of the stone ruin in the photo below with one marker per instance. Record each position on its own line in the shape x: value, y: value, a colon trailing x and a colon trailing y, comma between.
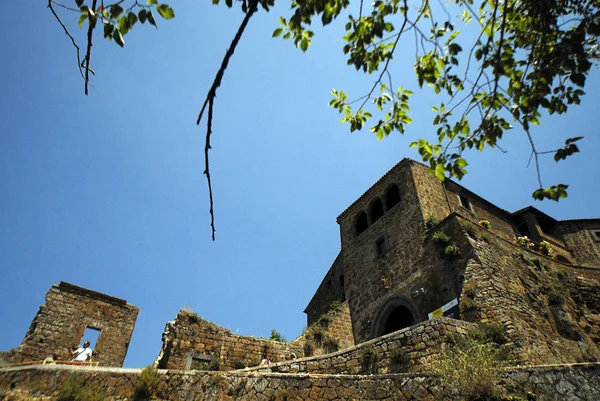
x: 69, y: 310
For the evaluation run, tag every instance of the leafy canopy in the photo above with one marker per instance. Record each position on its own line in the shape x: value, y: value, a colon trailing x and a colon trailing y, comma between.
x: 527, y: 57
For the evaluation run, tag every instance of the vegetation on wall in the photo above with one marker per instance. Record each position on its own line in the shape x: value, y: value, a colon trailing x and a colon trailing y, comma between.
x: 148, y: 383
x: 77, y: 389
x: 277, y: 336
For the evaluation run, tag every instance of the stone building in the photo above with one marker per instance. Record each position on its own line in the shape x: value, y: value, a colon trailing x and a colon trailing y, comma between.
x: 411, y: 244
x: 69, y: 311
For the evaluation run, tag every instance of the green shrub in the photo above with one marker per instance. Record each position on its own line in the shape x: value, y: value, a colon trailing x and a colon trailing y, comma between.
x: 399, y: 356
x: 470, y: 289
x: 451, y: 251
x: 485, y: 224
x: 545, y: 248
x: 472, y: 371
x: 430, y: 222
x: 469, y: 229
x: 276, y: 336
x: 75, y: 389
x: 334, y: 305
x: 486, y: 333
x: 148, y: 383
x: 330, y: 344
x: 468, y: 304
x: 317, y: 334
x: 368, y: 359
x: 309, y: 347
x: 324, y: 320
x: 440, y: 238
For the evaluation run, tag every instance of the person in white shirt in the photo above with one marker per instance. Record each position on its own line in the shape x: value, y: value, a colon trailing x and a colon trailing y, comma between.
x: 82, y: 354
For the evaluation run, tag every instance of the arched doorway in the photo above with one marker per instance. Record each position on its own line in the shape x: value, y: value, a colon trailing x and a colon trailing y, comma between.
x: 397, y: 313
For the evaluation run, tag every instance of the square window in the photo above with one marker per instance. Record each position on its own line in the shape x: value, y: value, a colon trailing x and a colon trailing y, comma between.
x: 596, y: 235
x: 380, y: 246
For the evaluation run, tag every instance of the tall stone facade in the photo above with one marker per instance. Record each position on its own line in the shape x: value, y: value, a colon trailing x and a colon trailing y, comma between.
x: 410, y: 244
x: 63, y: 319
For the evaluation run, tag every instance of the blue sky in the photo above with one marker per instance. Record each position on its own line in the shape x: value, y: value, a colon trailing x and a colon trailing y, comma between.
x: 107, y: 192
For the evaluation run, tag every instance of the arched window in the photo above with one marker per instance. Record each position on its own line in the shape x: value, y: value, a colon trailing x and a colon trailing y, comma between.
x: 361, y: 223
x: 392, y: 196
x: 376, y: 210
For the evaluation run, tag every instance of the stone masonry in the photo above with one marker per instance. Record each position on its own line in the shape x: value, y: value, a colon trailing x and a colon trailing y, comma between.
x: 62, y: 320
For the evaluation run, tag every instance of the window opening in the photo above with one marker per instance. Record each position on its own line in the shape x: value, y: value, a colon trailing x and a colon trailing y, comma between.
x: 376, y: 210
x: 464, y: 202
x: 380, y: 246
x: 596, y: 235
x: 361, y: 223
x: 91, y: 334
x: 392, y: 197
x: 524, y: 229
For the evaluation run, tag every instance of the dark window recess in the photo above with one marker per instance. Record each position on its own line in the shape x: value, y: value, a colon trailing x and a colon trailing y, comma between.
x: 523, y: 229
x: 464, y: 202
x: 376, y: 210
x: 361, y: 223
x: 596, y: 235
x: 342, y: 280
x: 380, y: 246
x: 392, y: 197
x: 328, y: 284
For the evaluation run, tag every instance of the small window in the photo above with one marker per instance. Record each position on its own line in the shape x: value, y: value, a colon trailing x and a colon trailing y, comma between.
x: 376, y: 210
x: 596, y: 235
x: 380, y: 246
x: 464, y: 202
x: 392, y: 197
x: 361, y: 223
x: 328, y: 284
x: 91, y: 334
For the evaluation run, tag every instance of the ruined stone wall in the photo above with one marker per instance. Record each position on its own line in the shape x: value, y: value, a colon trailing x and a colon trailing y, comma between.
x: 550, y: 383
x: 331, y: 332
x: 547, y: 307
x: 190, y: 342
x: 68, y: 311
x: 579, y: 239
x: 330, y: 290
x: 413, y: 349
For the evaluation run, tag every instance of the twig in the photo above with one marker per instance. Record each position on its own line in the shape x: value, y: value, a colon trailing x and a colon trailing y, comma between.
x: 70, y: 37
x: 91, y: 23
x: 210, y: 97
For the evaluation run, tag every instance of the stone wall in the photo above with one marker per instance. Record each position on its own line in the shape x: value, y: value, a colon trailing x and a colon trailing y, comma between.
x: 330, y: 290
x: 331, y: 332
x: 578, y: 237
x: 409, y: 350
x: 550, y: 383
x: 62, y: 320
x: 190, y: 342
x: 549, y: 308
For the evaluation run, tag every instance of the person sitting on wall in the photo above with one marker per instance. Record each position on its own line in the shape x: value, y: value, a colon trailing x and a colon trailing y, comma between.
x: 265, y: 361
x: 82, y: 354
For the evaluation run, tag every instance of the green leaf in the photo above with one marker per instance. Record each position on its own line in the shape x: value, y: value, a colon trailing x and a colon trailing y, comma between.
x: 79, y: 3
x: 151, y: 20
x: 165, y: 11
x: 440, y: 172
x: 115, y: 11
x: 152, y: 2
x: 131, y: 19
x: 277, y: 32
x: 108, y: 30
x: 82, y: 19
x: 118, y: 38
x: 304, y: 44
x: 142, y: 16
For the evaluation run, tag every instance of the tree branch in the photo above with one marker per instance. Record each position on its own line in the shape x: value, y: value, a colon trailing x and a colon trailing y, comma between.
x: 209, y: 101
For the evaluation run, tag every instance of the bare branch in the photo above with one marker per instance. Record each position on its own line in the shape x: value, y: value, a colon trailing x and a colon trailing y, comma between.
x: 70, y: 37
x: 210, y: 98
x: 92, y: 23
